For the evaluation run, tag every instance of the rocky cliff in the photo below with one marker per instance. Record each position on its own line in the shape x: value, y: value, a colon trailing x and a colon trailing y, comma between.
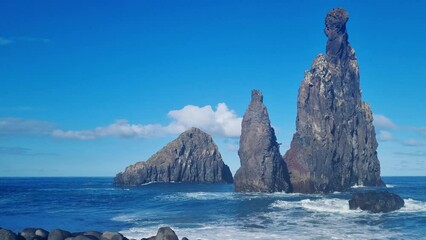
x: 192, y: 157
x: 262, y: 166
x: 334, y: 146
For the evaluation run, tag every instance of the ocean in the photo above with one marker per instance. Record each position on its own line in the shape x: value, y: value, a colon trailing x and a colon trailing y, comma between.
x: 205, y: 211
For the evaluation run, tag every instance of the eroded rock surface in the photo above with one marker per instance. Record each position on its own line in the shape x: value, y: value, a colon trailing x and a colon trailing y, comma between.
x: 192, y: 157
x: 334, y: 146
x: 262, y: 166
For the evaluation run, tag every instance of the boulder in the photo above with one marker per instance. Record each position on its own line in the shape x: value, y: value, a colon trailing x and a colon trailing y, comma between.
x: 84, y: 237
x: 262, y: 166
x: 335, y: 144
x: 166, y: 233
x: 58, y: 234
x: 376, y: 202
x: 112, y: 236
x: 96, y: 234
x: 28, y: 233
x: 6, y: 234
x: 150, y: 238
x: 192, y: 157
x: 42, y: 233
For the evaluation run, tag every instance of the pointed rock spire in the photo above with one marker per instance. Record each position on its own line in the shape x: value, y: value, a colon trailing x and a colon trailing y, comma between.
x: 334, y: 146
x: 262, y: 167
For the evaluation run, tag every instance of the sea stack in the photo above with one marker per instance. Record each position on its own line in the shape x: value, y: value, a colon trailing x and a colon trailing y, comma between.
x: 262, y: 166
x: 334, y: 146
x: 192, y: 157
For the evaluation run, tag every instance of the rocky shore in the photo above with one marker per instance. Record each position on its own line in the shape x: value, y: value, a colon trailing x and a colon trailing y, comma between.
x: 164, y: 233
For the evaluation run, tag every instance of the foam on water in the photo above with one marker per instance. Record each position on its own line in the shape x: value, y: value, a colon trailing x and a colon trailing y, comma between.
x: 201, y: 196
x: 329, y: 205
x: 125, y: 218
x: 412, y: 206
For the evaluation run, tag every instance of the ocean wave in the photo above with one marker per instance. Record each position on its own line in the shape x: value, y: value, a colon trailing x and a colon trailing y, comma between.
x: 202, y: 196
x: 333, y: 205
x: 412, y: 205
x: 357, y: 186
x: 219, y: 231
x: 328, y: 205
x: 390, y: 186
x: 125, y: 218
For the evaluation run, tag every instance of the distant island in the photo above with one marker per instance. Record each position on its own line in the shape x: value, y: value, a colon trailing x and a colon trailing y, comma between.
x: 192, y: 157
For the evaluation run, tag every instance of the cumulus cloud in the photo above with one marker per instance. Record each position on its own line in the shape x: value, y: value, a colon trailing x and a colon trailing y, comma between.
x: 385, y: 136
x: 21, y: 126
x: 221, y: 122
x: 382, y: 122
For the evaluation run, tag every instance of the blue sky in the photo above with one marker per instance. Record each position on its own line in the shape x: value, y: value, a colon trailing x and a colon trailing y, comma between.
x: 89, y: 87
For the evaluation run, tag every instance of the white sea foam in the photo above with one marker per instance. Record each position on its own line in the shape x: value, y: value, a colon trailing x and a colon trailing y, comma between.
x: 209, y: 195
x: 297, y: 229
x: 357, y: 186
x: 390, y: 186
x: 202, y: 196
x: 148, y: 183
x: 125, y: 218
x: 324, y: 218
x: 413, y: 206
x: 333, y: 205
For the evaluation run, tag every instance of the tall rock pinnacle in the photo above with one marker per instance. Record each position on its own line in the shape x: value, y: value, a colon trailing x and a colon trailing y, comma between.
x: 192, y: 157
x: 262, y: 166
x: 334, y: 146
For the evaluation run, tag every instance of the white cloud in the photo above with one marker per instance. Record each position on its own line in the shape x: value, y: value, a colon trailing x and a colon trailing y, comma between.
x: 382, y: 122
x: 385, y: 136
x: 223, y: 123
x: 121, y: 128
x: 21, y: 126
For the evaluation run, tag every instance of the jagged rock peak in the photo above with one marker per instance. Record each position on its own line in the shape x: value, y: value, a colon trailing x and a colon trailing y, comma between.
x: 335, y: 23
x: 334, y: 146
x: 262, y: 167
x: 256, y: 96
x: 338, y: 47
x: 192, y: 157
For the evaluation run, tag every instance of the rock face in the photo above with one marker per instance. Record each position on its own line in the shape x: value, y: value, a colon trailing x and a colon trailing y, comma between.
x: 376, y: 201
x: 262, y: 166
x: 6, y: 234
x: 192, y: 157
x: 334, y: 146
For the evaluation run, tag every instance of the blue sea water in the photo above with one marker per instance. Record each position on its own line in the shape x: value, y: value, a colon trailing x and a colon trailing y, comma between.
x: 205, y: 211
